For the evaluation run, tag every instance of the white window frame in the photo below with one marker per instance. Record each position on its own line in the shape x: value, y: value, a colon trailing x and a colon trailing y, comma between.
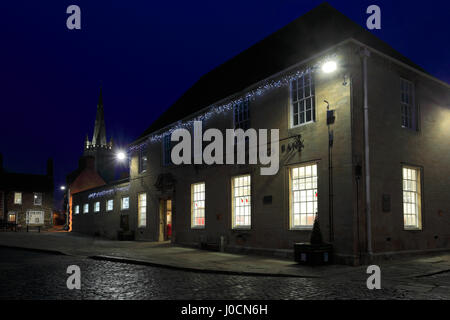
x: 36, y: 196
x: 241, y: 115
x: 97, y: 206
x: 142, y: 210
x: 86, y: 208
x: 305, y: 85
x: 17, y: 197
x: 143, y: 154
x: 108, y: 202
x: 198, y: 204
x: 412, y: 197
x: 77, y: 209
x: 408, y: 104
x: 303, y: 195
x: 122, y: 207
x: 241, y: 191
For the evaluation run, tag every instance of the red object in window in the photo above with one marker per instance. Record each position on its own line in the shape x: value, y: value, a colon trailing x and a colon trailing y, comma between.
x: 169, y: 230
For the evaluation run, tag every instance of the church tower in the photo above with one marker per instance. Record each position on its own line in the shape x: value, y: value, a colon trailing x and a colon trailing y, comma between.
x: 99, y: 148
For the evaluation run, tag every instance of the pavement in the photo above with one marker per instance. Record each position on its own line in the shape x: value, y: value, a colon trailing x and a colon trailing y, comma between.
x: 406, y: 272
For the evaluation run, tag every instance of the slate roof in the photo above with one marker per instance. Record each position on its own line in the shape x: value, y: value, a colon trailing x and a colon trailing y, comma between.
x: 314, y: 32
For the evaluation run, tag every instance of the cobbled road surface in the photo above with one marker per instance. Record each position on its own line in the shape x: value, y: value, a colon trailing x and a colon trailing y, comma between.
x: 31, y: 275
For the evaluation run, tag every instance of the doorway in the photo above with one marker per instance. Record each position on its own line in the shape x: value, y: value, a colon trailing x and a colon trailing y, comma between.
x: 165, y: 219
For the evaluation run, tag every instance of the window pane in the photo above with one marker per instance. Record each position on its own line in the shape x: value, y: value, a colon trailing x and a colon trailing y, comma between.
x: 304, y: 202
x: 241, y: 201
x: 198, y: 204
x: 411, y: 197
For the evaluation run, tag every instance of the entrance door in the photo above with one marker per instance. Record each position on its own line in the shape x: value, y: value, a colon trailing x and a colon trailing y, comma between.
x: 165, y: 219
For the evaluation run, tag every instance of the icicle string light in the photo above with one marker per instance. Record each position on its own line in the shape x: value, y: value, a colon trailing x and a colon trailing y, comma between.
x: 108, y: 192
x: 219, y: 109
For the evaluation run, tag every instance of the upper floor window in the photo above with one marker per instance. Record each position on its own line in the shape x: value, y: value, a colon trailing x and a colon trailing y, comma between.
x: 303, y: 100
x: 143, y: 160
x: 241, y: 191
x: 241, y: 115
x: 17, y: 197
x: 109, y: 204
x: 38, y: 199
x: 77, y: 209
x: 408, y: 108
x: 86, y: 208
x: 97, y: 206
x: 167, y: 149
x: 125, y: 203
x: 303, y: 196
x: 412, y: 198
x: 198, y: 205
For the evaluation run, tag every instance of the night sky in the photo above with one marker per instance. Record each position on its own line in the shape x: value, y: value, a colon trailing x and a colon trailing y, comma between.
x: 146, y: 54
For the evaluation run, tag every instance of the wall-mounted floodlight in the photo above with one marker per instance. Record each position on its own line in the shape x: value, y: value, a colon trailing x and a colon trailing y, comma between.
x: 63, y: 188
x: 121, y: 156
x: 329, y: 67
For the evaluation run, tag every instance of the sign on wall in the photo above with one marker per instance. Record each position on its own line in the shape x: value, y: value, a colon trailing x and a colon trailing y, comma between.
x: 35, y: 218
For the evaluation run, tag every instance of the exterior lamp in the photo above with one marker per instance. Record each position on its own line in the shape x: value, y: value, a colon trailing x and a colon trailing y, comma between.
x: 63, y: 188
x: 329, y: 67
x: 121, y: 156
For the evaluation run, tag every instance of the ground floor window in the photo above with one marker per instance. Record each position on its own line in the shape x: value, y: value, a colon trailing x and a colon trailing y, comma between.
x: 77, y: 209
x: 97, y: 206
x: 12, y: 217
x: 109, y: 205
x: 411, y: 198
x: 198, y: 205
x: 241, y: 196
x: 142, y: 210
x: 35, y: 217
x: 303, y: 196
x: 86, y: 208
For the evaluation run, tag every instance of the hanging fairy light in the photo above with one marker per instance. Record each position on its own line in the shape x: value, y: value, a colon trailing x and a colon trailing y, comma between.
x: 219, y: 109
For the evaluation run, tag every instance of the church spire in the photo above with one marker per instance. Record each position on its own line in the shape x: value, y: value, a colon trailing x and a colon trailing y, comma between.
x: 99, y: 137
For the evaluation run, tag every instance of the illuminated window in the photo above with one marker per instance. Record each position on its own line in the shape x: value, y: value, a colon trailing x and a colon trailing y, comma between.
x: 77, y: 209
x: 38, y: 199
x: 17, y: 197
x: 125, y: 203
x: 302, y: 100
x: 241, y: 115
x: 97, y: 206
x: 241, y: 191
x: 407, y: 104
x: 303, y: 196
x: 167, y: 149
x: 86, y: 208
x: 198, y: 205
x: 411, y: 198
x: 142, y: 210
x: 109, y: 205
x: 12, y: 217
x: 143, y: 160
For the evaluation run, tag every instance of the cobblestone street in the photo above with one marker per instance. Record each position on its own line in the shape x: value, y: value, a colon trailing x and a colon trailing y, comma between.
x: 31, y: 275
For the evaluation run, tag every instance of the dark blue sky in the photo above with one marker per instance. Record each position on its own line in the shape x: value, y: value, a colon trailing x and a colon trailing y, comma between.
x: 146, y: 54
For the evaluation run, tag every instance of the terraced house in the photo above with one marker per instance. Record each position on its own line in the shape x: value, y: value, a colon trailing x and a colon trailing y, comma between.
x: 363, y: 144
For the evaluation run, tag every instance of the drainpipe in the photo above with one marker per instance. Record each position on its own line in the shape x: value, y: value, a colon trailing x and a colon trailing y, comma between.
x: 365, y: 53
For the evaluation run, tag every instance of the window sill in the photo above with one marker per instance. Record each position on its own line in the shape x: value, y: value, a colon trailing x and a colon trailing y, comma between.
x: 412, y: 229
x: 292, y: 127
x: 197, y: 228
x: 242, y: 228
x: 308, y: 228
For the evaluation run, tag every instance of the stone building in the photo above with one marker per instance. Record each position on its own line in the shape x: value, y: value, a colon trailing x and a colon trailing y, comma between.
x: 27, y: 199
x: 363, y: 144
x: 96, y: 167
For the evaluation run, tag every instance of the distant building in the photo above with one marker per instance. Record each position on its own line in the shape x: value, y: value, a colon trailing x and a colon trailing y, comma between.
x: 97, y: 165
x: 309, y: 80
x: 27, y: 199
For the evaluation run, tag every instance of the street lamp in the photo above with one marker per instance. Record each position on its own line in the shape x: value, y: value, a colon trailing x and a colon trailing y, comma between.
x: 121, y: 156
